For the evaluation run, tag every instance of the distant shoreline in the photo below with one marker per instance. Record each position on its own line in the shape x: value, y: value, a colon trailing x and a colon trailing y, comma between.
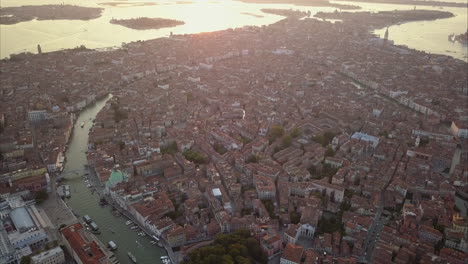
x: 386, y: 18
x: 289, y: 13
x: 127, y: 4
x: 143, y: 23
x: 251, y: 14
x: 376, y: 21
x: 412, y: 2
x: 324, y: 3
x: 14, y: 15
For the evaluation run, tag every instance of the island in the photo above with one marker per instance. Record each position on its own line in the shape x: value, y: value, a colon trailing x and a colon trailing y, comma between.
x: 413, y: 2
x: 143, y: 23
x: 251, y: 14
x: 13, y: 15
x: 385, y: 18
x: 304, y: 3
x: 462, y: 38
x: 128, y: 4
x: 289, y: 13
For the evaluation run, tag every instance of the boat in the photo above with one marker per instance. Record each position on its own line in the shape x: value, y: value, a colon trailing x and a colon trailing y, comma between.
x: 166, y: 260
x: 82, y: 124
x: 451, y: 37
x: 103, y: 202
x: 87, y: 219
x: 129, y: 222
x: 130, y: 255
x: 94, y: 226
x: 112, y: 245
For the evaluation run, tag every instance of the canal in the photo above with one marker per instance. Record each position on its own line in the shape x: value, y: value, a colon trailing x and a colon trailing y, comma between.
x: 84, y: 202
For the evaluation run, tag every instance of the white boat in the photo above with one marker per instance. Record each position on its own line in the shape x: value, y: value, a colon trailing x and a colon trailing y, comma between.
x: 166, y: 260
x: 112, y: 245
x: 87, y: 219
x: 130, y: 255
x: 82, y: 124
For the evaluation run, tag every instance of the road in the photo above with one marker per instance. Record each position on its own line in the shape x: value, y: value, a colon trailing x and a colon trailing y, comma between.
x: 378, y: 223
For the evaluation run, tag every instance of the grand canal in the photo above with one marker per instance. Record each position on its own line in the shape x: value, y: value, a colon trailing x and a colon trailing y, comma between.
x: 84, y: 202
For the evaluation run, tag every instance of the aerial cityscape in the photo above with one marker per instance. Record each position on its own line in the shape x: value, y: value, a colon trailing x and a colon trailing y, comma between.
x: 233, y: 131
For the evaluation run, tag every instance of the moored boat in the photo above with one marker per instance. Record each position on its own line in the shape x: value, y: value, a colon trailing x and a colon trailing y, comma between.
x: 133, y: 258
x: 112, y: 245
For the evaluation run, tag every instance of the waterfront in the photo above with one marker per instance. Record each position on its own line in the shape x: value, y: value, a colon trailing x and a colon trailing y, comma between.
x: 83, y: 202
x: 429, y: 36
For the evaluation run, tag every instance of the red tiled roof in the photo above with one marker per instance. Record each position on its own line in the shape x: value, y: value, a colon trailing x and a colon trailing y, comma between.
x: 88, y: 252
x: 293, y: 253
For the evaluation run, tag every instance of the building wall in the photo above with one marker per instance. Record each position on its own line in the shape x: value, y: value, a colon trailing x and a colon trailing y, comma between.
x: 53, y: 256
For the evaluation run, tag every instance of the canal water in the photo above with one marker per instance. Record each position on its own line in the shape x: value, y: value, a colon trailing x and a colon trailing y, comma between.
x: 83, y: 202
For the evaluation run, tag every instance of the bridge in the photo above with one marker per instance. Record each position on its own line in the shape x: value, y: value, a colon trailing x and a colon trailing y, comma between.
x: 77, y: 172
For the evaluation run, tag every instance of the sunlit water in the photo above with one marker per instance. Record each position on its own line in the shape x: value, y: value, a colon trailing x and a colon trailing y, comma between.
x: 199, y: 16
x: 429, y: 36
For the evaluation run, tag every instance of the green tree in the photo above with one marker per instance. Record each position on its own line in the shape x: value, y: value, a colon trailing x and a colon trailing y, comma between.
x: 312, y: 170
x: 324, y: 139
x: 170, y: 148
x: 345, y: 206
x: 296, y: 132
x: 25, y: 260
x: 219, y: 148
x: 275, y: 132
x: 295, y: 217
x: 194, y: 156
x: 242, y: 260
x: 41, y: 196
x: 252, y: 159
x: 270, y: 208
x: 384, y: 134
x: 329, y: 152
x: 121, y: 145
x: 236, y: 248
x: 189, y: 96
x: 286, y: 141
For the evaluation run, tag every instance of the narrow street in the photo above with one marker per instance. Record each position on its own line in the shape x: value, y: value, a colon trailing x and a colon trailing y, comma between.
x: 378, y: 223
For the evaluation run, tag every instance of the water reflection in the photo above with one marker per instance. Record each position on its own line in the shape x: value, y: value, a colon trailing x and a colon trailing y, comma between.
x: 200, y: 16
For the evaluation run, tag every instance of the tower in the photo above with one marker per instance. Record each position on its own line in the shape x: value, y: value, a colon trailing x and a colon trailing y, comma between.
x: 385, y: 42
x: 39, y: 50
